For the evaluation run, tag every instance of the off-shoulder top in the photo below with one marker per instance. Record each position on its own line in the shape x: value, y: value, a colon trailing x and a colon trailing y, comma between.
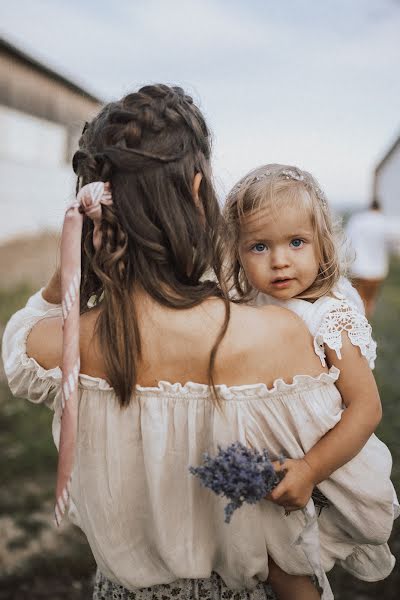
x: 149, y: 521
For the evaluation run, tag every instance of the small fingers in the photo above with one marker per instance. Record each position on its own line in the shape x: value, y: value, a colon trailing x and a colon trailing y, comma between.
x: 278, y: 494
x: 280, y: 466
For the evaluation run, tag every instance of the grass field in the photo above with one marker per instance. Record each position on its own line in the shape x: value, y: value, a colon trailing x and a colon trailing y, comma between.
x: 37, y: 562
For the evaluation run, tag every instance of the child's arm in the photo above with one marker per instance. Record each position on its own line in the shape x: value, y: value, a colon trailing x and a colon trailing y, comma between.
x: 359, y: 420
x: 363, y: 413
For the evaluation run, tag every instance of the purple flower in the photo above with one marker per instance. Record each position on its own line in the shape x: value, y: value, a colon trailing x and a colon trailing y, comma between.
x: 240, y: 474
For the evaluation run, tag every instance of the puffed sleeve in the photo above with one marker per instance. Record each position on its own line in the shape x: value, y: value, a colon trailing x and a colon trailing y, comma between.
x: 338, y: 315
x: 26, y: 378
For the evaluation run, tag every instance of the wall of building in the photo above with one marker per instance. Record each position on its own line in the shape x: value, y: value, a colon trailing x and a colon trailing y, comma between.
x: 41, y: 119
x: 25, y: 138
x: 33, y: 197
x: 388, y: 184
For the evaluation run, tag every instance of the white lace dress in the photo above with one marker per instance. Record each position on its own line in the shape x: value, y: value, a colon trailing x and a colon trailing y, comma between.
x: 328, y: 317
x: 149, y: 522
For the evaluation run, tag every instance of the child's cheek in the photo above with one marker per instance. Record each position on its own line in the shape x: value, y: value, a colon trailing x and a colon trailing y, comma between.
x: 255, y: 272
x: 247, y: 265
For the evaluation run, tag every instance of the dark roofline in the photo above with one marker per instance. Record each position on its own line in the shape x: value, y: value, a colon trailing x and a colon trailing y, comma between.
x: 387, y: 156
x: 8, y: 48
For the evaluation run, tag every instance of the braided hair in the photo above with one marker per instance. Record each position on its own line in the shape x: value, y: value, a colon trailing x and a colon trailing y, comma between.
x: 149, y: 145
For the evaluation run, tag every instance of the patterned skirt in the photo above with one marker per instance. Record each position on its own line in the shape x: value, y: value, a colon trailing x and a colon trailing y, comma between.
x: 182, y: 589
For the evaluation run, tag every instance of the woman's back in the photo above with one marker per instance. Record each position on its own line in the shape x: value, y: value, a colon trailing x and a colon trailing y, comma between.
x: 147, y: 519
x: 140, y: 505
x: 260, y: 345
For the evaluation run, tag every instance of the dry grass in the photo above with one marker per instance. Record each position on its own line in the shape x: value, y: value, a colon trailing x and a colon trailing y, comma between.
x: 28, y: 261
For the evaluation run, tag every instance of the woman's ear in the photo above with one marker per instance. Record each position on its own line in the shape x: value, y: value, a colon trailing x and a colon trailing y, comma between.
x: 196, y: 196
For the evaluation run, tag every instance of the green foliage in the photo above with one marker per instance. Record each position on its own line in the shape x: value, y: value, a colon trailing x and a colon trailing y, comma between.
x: 28, y: 463
x: 27, y: 451
x: 12, y: 300
x: 386, y: 326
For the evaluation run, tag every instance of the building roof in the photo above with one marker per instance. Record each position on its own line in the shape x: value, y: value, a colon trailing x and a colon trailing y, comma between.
x: 7, y: 48
x: 387, y: 156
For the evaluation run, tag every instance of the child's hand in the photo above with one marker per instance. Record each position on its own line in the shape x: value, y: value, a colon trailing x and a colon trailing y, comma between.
x: 295, y: 489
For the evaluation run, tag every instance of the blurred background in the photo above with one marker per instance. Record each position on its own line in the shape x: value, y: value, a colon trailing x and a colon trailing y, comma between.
x: 299, y: 82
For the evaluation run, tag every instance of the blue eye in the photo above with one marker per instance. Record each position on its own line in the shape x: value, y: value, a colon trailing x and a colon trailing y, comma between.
x: 259, y: 248
x: 297, y: 243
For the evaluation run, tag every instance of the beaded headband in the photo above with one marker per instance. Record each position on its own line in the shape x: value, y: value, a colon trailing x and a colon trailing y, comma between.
x: 293, y: 173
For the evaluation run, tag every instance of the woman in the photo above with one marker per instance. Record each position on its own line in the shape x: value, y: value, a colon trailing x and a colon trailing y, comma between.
x: 158, y: 324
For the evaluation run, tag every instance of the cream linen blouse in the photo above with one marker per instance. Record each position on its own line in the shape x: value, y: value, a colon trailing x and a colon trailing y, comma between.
x: 149, y: 521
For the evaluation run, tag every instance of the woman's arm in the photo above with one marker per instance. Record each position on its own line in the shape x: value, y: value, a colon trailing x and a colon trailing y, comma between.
x: 52, y: 291
x: 26, y: 378
x: 44, y: 342
x: 359, y: 420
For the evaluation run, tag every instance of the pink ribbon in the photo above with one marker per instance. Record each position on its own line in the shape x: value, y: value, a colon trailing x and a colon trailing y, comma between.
x: 89, y: 201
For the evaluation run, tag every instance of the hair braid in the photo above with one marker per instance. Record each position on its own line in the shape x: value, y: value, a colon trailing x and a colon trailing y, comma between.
x: 149, y: 145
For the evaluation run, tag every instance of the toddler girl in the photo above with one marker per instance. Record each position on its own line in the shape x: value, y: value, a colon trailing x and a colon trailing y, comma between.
x: 283, y: 251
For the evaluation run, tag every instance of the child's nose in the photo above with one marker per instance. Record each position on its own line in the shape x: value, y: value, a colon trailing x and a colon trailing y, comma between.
x: 279, y: 258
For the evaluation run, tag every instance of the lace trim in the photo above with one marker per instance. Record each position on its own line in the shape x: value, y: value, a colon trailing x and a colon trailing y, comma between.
x: 345, y: 318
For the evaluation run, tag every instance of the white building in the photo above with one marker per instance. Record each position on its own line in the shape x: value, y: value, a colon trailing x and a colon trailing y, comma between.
x: 41, y: 117
x: 386, y: 187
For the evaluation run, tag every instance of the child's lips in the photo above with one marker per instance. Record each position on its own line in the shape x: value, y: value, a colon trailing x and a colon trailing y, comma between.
x: 281, y: 283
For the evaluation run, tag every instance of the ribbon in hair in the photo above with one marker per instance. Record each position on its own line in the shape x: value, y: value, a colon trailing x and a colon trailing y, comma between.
x: 89, y: 201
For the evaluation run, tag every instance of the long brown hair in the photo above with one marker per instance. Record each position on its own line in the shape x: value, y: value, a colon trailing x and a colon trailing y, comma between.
x: 149, y: 145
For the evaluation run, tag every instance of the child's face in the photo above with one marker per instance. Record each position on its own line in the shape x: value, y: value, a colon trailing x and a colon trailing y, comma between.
x: 278, y: 253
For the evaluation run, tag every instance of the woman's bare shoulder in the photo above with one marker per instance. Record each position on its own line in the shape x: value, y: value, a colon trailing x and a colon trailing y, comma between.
x: 271, y: 342
x: 44, y: 342
x: 289, y: 335
x: 275, y: 320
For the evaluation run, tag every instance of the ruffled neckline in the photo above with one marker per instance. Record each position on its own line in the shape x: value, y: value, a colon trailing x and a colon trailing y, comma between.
x: 259, y: 390
x: 191, y: 388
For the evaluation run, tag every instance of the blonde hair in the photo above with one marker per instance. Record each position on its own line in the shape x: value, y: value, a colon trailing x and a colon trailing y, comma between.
x: 275, y: 187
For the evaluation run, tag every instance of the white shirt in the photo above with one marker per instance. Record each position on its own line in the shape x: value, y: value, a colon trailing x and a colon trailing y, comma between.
x: 370, y: 234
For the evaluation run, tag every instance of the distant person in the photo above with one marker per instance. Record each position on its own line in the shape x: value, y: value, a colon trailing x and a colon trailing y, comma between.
x: 370, y: 234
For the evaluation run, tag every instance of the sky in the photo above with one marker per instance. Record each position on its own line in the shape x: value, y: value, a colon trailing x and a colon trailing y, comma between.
x: 315, y: 84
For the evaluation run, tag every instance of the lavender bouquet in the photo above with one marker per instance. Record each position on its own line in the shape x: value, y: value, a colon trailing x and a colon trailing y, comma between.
x: 240, y: 474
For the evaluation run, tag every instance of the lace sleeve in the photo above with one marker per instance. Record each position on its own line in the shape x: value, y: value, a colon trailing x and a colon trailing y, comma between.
x: 344, y: 317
